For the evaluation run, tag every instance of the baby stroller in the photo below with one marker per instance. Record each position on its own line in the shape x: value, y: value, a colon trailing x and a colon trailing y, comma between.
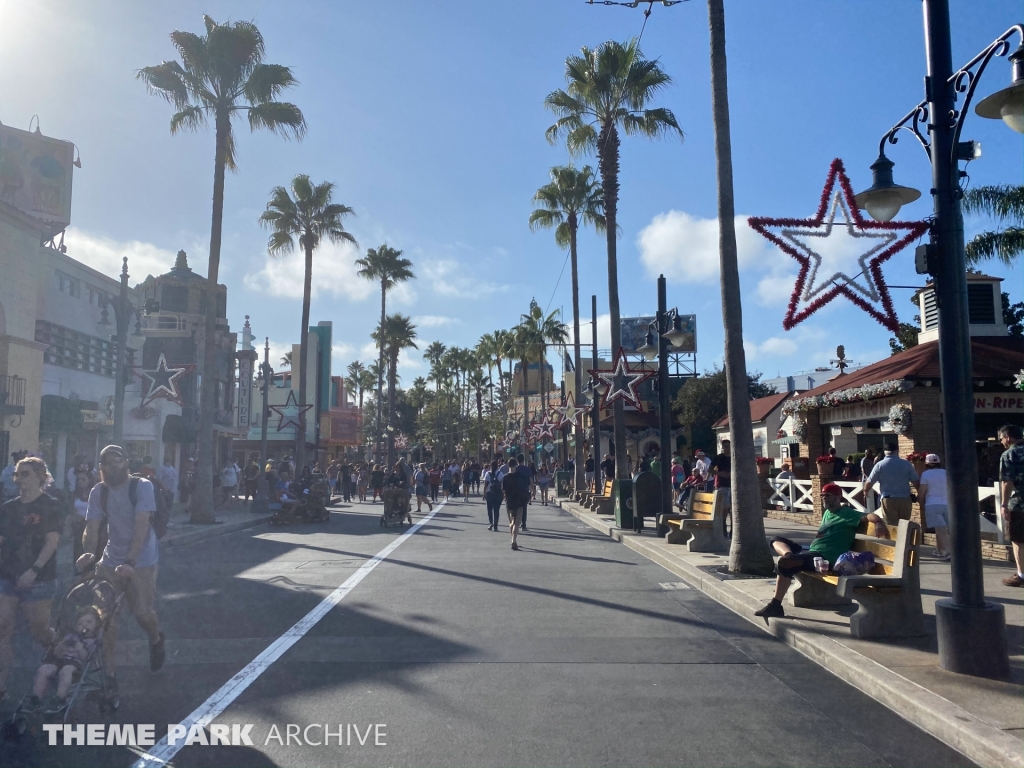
x: 311, y: 506
x: 91, y: 682
x: 396, y: 506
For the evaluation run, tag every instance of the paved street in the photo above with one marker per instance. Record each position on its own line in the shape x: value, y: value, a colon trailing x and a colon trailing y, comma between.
x: 573, y: 651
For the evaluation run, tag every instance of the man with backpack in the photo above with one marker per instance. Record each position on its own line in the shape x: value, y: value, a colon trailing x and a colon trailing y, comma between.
x: 516, y: 488
x: 129, y: 559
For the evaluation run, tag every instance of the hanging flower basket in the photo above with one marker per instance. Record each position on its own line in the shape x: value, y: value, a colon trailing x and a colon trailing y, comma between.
x: 764, y: 465
x: 800, y: 429
x: 900, y: 418
x: 826, y: 465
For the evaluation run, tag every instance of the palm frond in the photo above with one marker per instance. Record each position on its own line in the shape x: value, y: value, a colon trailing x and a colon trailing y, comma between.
x: 284, y: 119
x: 167, y: 81
x: 267, y: 81
x: 189, y: 119
x: 280, y: 242
x: 1000, y: 202
x: 1006, y: 246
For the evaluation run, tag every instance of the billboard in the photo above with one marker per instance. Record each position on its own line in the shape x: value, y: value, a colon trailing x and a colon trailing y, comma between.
x: 634, y: 333
x: 35, y: 174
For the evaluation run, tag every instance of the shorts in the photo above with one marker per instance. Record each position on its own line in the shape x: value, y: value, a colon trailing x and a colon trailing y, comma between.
x: 1016, y: 520
x: 896, y: 509
x: 421, y: 490
x: 588, y: 476
x: 806, y: 558
x: 41, y: 590
x: 140, y: 590
x: 936, y: 516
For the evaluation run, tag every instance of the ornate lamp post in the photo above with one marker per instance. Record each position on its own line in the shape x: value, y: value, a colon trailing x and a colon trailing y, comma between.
x: 668, y: 327
x: 123, y: 312
x: 971, y: 629
x: 266, y: 373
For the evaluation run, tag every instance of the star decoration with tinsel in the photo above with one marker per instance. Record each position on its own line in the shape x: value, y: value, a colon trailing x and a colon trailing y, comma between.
x: 568, y: 412
x: 1018, y: 380
x: 163, y: 381
x: 861, y: 281
x: 401, y: 443
x: 545, y: 428
x: 622, y: 382
x: 292, y: 414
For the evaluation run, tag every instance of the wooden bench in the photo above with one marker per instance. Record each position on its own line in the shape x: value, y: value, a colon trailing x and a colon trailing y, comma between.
x: 703, y: 527
x: 888, y: 598
x: 603, y: 503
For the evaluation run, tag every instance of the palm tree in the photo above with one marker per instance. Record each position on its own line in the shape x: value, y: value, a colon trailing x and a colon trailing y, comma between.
x: 353, y: 380
x: 607, y: 88
x: 221, y: 75
x: 395, y: 334
x: 1005, y: 204
x: 478, y: 381
x: 311, y: 217
x: 573, y: 197
x: 749, y: 551
x: 386, y: 265
x: 286, y: 359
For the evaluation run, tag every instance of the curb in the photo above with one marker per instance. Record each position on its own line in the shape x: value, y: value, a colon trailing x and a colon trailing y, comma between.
x: 202, y: 532
x: 973, y: 737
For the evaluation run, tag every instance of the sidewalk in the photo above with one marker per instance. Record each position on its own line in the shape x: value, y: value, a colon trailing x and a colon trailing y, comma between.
x: 236, y: 518
x: 983, y: 719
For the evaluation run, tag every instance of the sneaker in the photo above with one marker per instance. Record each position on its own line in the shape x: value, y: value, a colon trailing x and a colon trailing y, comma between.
x: 772, y: 610
x: 515, y: 547
x: 942, y: 555
x: 524, y: 528
x: 55, y: 705
x: 31, y: 704
x: 1014, y: 581
x: 156, y: 654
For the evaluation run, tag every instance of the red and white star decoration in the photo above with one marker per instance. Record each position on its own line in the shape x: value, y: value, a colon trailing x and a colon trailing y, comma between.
x: 568, y: 412
x: 545, y: 428
x: 163, y: 381
x: 292, y: 414
x: 814, y: 287
x: 622, y: 382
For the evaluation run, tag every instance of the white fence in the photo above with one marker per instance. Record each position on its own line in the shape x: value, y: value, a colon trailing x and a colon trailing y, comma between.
x: 796, y: 495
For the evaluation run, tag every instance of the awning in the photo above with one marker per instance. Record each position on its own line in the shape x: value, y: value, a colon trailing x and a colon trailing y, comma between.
x: 786, y: 440
x: 59, y: 414
x: 177, y: 430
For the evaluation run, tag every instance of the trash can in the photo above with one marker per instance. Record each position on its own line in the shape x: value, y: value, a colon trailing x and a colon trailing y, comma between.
x: 646, y: 498
x: 622, y: 492
x: 563, y: 484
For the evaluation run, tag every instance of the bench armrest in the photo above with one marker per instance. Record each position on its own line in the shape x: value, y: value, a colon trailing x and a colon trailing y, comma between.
x: 847, y: 584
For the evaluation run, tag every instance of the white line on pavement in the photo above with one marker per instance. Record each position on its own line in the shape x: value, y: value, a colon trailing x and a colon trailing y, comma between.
x: 162, y: 753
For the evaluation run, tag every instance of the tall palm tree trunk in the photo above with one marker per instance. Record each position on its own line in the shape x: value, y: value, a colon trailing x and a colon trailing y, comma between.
x: 526, y: 401
x: 577, y: 391
x: 479, y: 423
x: 307, y: 290
x: 749, y: 552
x: 202, y: 500
x: 392, y: 374
x: 380, y: 367
x: 608, y: 156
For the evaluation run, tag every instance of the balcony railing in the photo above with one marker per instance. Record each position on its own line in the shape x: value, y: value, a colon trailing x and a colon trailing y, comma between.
x: 12, y: 396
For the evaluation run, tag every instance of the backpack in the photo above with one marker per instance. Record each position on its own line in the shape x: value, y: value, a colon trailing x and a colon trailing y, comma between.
x: 158, y: 519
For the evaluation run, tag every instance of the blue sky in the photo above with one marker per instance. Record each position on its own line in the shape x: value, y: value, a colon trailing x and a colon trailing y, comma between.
x: 429, y: 118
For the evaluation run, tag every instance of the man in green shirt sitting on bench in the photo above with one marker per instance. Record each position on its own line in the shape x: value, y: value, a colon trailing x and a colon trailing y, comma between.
x: 835, y: 536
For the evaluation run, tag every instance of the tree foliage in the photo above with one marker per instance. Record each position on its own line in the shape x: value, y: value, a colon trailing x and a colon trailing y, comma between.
x: 704, y: 400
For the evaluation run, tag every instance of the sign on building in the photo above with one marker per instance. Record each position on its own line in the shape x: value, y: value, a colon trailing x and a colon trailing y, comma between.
x: 35, y: 174
x: 634, y: 333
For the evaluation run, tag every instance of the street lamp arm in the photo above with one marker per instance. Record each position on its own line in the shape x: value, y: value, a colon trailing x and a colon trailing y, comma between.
x: 964, y: 81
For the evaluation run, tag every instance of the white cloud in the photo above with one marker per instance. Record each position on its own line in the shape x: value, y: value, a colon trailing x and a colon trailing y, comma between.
x: 449, y: 277
x: 685, y: 247
x: 773, y: 347
x: 435, y: 321
x: 104, y: 255
x: 775, y: 289
x: 604, y: 334
x: 334, y: 274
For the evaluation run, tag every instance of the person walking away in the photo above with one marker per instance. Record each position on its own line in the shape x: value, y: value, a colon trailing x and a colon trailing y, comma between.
x: 129, y: 559
x: 722, y: 467
x: 167, y: 474
x: 894, y: 476
x: 362, y: 481
x: 492, y: 495
x: 836, y: 535
x: 377, y: 482
x: 932, y: 498
x: 249, y: 475
x: 1011, y: 495
x: 188, y: 484
x: 446, y: 482
x: 435, y: 481
x: 526, y: 471
x: 607, y: 469
x: 422, y: 489
x: 543, y: 482
x: 456, y: 480
x: 515, y: 488
x: 588, y: 472
x: 30, y: 528
x: 344, y: 482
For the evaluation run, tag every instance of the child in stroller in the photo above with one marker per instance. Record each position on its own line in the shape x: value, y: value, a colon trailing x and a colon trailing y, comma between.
x: 63, y: 661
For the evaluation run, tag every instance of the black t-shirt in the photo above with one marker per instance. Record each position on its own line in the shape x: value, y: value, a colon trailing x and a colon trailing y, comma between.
x: 512, y: 484
x: 589, y: 466
x: 724, y: 465
x: 24, y: 528
x: 608, y: 467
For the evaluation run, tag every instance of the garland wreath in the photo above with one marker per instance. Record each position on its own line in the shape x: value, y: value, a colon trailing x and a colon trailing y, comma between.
x: 900, y: 418
x: 816, y: 292
x: 844, y: 396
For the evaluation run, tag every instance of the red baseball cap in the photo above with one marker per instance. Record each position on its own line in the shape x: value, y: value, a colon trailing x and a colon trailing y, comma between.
x: 831, y: 488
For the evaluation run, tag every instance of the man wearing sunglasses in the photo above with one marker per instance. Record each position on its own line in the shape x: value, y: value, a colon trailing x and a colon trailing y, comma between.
x: 836, y: 535
x: 129, y: 559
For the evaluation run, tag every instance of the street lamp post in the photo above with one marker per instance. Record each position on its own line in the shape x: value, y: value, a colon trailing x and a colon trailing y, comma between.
x: 667, y: 326
x: 123, y: 311
x: 267, y: 373
x: 971, y: 630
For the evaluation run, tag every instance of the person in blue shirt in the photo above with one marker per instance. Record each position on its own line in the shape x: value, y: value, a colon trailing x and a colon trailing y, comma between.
x: 894, y: 477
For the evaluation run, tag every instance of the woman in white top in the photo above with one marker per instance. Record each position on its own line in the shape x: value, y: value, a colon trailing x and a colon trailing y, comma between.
x: 932, y: 498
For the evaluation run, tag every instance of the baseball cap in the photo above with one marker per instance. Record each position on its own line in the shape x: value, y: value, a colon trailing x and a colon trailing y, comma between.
x: 831, y: 488
x: 113, y: 450
x: 932, y: 458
